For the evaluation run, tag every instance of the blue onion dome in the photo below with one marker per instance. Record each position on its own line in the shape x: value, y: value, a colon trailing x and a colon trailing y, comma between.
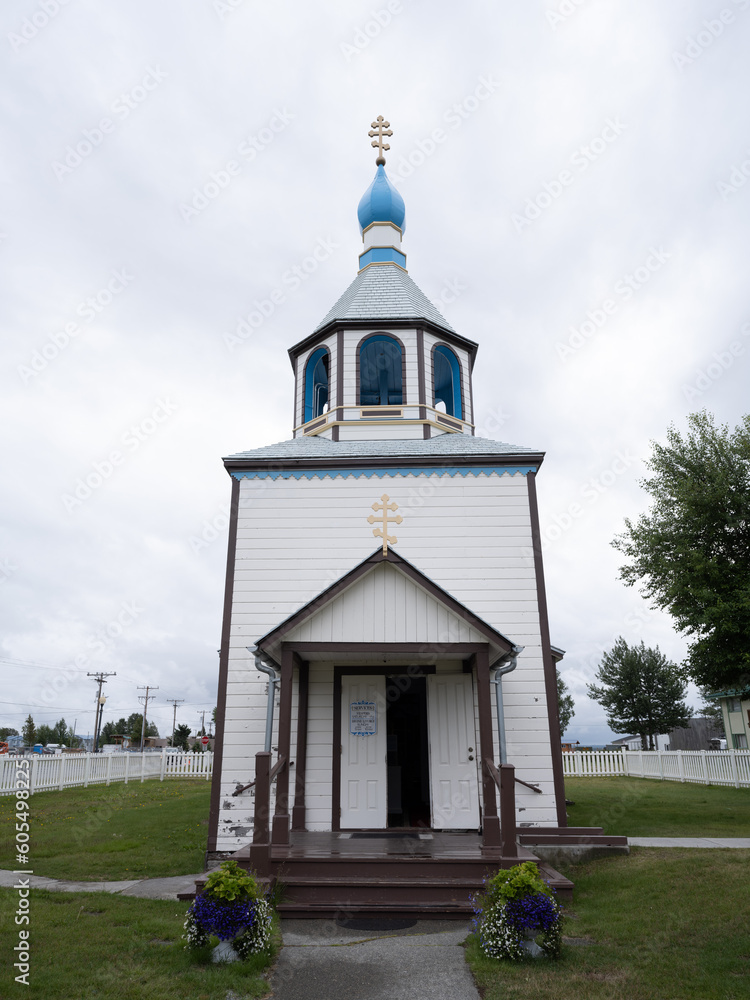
x: 381, y: 202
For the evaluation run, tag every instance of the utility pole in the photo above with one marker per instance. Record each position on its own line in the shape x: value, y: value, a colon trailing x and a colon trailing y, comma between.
x: 101, y: 679
x: 203, y: 722
x: 175, y: 702
x: 145, y: 688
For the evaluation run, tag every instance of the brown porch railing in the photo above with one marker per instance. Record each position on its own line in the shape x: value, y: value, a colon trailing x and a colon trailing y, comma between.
x: 260, y: 849
x: 504, y: 778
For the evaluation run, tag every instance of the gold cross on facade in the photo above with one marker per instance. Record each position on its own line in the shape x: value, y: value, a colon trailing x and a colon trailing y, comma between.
x: 380, y: 128
x: 385, y: 520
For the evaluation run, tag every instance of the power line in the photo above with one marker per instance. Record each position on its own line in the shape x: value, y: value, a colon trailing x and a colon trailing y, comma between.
x: 175, y: 702
x: 101, y: 678
x: 147, y: 688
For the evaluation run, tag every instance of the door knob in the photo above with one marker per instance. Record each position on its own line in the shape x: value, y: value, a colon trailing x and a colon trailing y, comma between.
x: 471, y: 757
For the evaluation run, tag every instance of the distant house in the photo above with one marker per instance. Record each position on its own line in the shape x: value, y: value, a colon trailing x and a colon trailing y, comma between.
x: 634, y: 742
x: 735, y: 708
x: 695, y: 736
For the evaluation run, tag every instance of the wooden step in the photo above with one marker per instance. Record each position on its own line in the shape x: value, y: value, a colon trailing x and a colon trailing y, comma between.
x: 373, y: 908
x: 574, y: 839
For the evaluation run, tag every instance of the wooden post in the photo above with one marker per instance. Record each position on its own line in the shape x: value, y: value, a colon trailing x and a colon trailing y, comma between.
x: 109, y: 767
x: 62, y: 771
x: 143, y: 766
x: 508, y: 810
x: 490, y: 821
x: 87, y: 771
x: 299, y: 811
x: 127, y: 768
x: 704, y: 766
x: 162, y: 772
x: 280, y: 831
x: 33, y: 779
x: 260, y: 847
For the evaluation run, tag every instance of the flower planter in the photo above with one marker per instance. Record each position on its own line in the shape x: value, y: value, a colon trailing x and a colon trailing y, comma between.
x: 232, y: 909
x: 517, y: 915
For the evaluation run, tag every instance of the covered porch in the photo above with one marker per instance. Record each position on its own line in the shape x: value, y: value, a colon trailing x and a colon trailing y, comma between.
x: 401, y: 673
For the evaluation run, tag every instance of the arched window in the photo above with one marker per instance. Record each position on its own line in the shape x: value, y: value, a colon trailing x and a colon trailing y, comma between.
x: 316, y: 384
x: 380, y: 381
x: 447, y: 378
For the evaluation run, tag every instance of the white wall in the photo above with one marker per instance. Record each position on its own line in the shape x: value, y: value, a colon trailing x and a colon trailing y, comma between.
x: 470, y: 534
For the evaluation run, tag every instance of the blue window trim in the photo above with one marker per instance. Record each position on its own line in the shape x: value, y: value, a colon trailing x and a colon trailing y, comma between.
x: 312, y: 362
x: 390, y: 340
x: 452, y: 360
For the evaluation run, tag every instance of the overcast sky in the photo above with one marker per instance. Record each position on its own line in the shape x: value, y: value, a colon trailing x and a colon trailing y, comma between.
x: 575, y: 176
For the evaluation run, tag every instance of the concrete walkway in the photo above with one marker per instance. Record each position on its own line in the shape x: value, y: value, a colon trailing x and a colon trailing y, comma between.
x: 321, y: 961
x: 149, y: 888
x: 739, y: 842
x: 167, y: 888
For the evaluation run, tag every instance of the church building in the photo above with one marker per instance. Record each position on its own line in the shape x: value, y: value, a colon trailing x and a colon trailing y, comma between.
x: 387, y: 711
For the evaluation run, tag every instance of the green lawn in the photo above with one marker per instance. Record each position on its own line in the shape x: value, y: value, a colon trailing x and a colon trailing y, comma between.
x: 93, y: 946
x: 139, y: 830
x: 663, y: 924
x: 641, y: 807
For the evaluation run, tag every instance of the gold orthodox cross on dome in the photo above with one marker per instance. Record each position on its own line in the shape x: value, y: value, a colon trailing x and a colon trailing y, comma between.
x: 385, y: 519
x: 380, y: 128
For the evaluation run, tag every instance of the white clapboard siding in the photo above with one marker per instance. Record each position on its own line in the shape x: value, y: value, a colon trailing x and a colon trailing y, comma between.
x: 470, y: 534
x: 385, y: 606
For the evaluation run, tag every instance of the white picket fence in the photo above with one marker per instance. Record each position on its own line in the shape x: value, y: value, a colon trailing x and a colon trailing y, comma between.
x: 47, y: 773
x: 707, y: 767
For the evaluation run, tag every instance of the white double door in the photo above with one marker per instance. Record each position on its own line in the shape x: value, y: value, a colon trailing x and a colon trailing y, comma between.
x: 452, y: 752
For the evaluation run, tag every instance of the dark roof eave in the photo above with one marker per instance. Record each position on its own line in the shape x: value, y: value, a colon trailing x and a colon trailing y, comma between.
x: 383, y: 461
x: 368, y: 324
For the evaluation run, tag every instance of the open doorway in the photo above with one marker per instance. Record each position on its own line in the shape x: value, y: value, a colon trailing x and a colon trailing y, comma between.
x: 408, y: 762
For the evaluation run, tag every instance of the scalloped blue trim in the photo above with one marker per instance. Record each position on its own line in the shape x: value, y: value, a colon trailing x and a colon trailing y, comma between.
x: 465, y: 470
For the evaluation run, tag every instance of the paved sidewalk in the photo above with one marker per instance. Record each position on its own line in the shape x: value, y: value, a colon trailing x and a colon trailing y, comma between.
x: 167, y: 888
x: 739, y: 842
x: 320, y: 961
x: 149, y: 888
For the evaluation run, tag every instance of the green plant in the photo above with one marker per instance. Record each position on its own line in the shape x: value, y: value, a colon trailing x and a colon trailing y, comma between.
x: 232, y: 908
x: 232, y: 883
x: 511, y: 883
x: 517, y: 915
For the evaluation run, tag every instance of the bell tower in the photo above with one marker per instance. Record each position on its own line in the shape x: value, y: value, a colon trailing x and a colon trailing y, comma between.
x: 384, y: 363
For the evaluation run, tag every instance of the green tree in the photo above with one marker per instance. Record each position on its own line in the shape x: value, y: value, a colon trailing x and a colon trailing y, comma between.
x: 29, y: 732
x: 712, y: 710
x: 691, y: 551
x: 565, y: 710
x: 134, y: 724
x: 62, y: 733
x: 641, y: 692
x: 112, y: 729
x: 6, y: 731
x: 181, y: 734
x: 45, y: 734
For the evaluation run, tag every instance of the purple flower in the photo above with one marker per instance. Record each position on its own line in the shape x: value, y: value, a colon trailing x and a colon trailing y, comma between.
x: 222, y: 918
x: 535, y: 912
